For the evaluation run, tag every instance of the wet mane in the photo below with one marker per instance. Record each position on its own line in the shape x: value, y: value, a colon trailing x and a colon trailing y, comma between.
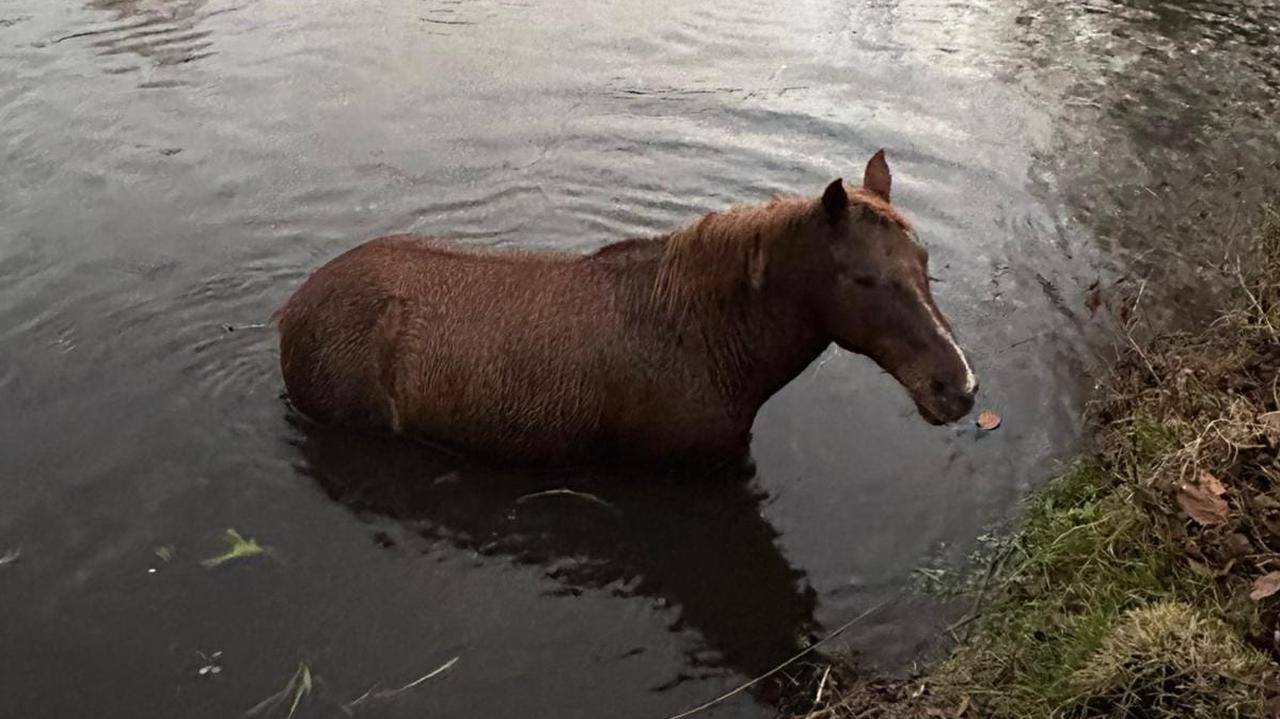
x: 712, y: 258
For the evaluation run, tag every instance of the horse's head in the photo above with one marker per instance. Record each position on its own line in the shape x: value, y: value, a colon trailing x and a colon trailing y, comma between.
x: 874, y: 298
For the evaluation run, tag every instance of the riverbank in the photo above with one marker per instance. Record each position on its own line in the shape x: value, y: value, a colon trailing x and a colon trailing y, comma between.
x: 1145, y: 580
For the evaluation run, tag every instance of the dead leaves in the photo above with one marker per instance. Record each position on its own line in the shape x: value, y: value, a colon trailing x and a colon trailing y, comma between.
x: 1213, y: 484
x: 1218, y: 550
x: 1265, y: 586
x: 960, y: 712
x: 1203, y: 502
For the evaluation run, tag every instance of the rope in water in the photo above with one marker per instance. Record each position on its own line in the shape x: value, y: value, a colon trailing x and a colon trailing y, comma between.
x: 743, y: 687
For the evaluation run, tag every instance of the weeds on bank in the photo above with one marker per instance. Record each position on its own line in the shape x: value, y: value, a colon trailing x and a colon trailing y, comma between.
x: 1145, y: 581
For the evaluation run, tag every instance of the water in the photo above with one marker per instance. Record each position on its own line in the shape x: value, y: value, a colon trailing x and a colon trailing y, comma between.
x: 174, y: 166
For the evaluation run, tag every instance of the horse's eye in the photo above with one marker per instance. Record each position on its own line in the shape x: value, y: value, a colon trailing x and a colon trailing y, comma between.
x: 865, y: 281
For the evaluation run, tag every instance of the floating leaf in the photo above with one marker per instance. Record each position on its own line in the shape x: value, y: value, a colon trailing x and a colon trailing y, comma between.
x: 212, y: 664
x: 239, y: 549
x: 988, y: 420
x: 1265, y: 586
x: 1201, y: 504
x: 165, y: 553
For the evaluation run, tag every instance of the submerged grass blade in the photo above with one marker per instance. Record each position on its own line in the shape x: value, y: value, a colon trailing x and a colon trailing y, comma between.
x: 238, y: 548
x: 299, y: 686
x: 389, y: 693
x: 304, y: 688
x: 563, y: 492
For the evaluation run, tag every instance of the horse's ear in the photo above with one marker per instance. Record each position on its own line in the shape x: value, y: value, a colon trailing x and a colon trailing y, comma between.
x: 835, y: 201
x: 877, y: 179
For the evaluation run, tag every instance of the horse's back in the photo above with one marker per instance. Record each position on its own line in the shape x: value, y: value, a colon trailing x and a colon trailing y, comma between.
x: 493, y: 351
x: 328, y: 328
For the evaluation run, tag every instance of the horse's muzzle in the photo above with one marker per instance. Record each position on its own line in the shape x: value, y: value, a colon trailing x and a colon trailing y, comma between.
x: 944, y: 405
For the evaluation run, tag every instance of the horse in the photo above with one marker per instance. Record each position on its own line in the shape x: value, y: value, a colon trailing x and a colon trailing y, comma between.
x: 648, y: 350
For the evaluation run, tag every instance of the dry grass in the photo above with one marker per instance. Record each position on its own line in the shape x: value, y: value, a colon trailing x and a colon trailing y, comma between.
x: 1169, y: 660
x: 1126, y: 592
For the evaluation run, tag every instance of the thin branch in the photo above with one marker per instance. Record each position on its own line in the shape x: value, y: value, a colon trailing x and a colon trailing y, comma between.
x: 747, y: 685
x: 817, y: 697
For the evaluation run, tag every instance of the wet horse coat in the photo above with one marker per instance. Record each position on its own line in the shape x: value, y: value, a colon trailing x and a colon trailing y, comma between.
x: 654, y: 349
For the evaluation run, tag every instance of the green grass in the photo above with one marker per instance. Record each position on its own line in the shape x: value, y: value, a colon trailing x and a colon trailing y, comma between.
x: 1083, y: 559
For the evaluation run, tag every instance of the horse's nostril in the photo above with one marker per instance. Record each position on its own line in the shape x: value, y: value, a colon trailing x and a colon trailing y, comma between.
x: 937, y: 386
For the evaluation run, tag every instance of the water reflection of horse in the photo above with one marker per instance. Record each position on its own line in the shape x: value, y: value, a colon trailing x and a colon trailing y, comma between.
x: 167, y: 32
x: 648, y: 349
x: 700, y: 547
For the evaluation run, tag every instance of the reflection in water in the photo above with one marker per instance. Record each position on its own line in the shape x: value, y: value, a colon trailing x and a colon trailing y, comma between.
x: 166, y: 32
x: 698, y: 545
x: 1167, y: 130
x: 1219, y: 20
x: 136, y: 223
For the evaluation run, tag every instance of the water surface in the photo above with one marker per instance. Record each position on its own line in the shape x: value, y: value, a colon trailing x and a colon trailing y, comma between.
x: 171, y: 167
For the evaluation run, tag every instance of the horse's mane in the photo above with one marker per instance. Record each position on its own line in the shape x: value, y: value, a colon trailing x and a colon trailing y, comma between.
x: 712, y: 258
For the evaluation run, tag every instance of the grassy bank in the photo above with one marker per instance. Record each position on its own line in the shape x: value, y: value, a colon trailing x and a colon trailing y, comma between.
x: 1145, y: 581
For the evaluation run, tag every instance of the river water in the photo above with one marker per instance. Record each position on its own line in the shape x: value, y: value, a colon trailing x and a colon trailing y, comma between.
x: 171, y: 168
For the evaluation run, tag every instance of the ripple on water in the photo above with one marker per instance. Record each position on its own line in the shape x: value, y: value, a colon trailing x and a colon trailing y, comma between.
x: 132, y: 416
x: 162, y: 33
x: 224, y: 342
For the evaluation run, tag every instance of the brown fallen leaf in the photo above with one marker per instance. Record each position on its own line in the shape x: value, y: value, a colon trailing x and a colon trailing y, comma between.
x: 1238, y: 545
x: 1202, y: 569
x: 1211, y: 483
x: 1272, y: 708
x: 1265, y: 586
x: 1264, y: 502
x: 988, y: 420
x: 1201, y: 504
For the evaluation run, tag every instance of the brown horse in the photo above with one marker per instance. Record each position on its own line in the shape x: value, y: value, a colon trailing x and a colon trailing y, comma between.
x: 657, y: 349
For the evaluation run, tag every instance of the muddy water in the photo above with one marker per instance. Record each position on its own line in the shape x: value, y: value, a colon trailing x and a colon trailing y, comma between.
x: 174, y: 167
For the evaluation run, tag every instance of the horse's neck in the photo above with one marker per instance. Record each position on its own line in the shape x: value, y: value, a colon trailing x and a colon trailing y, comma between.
x: 752, y: 345
x: 763, y: 343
